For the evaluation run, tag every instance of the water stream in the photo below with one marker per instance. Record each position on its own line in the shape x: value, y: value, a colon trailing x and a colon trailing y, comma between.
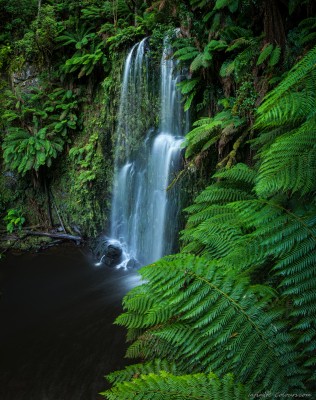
x: 145, y: 215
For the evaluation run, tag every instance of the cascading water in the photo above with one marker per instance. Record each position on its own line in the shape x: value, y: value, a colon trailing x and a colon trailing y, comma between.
x: 144, y: 214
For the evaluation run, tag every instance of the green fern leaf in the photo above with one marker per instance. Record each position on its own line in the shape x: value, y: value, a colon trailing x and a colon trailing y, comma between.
x: 275, y: 56
x: 289, y: 153
x: 265, y: 53
x: 198, y: 328
x: 186, y: 53
x: 227, y: 68
x: 165, y: 385
x: 188, y: 85
x: 298, y: 74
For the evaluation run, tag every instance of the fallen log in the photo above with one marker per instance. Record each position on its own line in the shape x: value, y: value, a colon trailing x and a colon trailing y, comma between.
x: 58, y: 236
x: 63, y: 236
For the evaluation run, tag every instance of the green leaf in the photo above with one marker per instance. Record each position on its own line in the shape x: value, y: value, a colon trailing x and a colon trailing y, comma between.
x: 265, y: 53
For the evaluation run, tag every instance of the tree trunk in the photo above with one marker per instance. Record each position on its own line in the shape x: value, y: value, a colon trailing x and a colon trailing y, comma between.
x: 273, y: 24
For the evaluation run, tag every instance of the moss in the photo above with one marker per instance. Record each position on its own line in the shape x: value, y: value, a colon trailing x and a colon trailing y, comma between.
x: 29, y: 243
x: 79, y: 184
x: 82, y: 184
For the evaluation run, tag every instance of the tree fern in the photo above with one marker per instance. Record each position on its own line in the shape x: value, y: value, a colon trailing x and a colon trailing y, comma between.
x: 290, y: 106
x: 298, y: 74
x: 248, y: 49
x: 134, y: 371
x: 211, y: 311
x: 284, y: 165
x: 202, y: 313
x: 249, y: 233
x: 166, y: 385
x: 79, y: 38
x: 210, y: 212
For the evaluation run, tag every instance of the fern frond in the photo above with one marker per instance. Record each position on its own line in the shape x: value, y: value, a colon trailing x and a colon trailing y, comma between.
x: 275, y: 56
x: 265, y: 53
x: 135, y: 370
x: 227, y: 68
x: 168, y: 386
x: 239, y: 173
x: 197, y: 137
x: 209, y: 210
x: 284, y: 165
x: 218, y: 235
x: 233, y: 32
x: 188, y: 85
x: 293, y: 108
x: 296, y: 76
x: 240, y: 42
x: 208, y: 130
x: 186, y: 53
x: 218, y: 312
x: 216, y: 194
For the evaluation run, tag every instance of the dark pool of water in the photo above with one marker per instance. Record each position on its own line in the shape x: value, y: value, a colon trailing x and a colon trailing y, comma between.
x: 57, y: 338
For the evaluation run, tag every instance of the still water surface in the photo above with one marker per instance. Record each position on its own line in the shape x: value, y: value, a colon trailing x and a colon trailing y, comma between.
x: 57, y: 338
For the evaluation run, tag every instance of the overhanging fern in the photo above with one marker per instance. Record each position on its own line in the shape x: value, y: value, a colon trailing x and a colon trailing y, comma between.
x: 289, y: 111
x: 211, y: 310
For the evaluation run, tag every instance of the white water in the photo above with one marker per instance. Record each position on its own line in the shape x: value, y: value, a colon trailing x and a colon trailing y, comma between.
x: 145, y: 215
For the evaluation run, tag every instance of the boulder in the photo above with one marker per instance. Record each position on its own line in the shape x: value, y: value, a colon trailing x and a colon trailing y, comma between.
x: 112, y: 254
x: 132, y: 263
x: 113, y: 251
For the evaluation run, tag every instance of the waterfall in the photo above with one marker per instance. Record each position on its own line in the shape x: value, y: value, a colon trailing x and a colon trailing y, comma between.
x: 144, y: 217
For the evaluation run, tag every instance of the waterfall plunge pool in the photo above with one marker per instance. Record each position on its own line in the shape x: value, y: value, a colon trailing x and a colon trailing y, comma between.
x: 57, y: 338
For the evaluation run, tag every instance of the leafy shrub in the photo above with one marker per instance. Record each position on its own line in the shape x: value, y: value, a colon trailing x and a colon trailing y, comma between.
x: 14, y: 219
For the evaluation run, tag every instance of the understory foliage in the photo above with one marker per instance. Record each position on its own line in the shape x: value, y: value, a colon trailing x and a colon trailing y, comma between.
x: 240, y: 297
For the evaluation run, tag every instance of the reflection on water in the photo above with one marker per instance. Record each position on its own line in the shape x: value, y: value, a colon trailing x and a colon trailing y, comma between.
x: 57, y: 338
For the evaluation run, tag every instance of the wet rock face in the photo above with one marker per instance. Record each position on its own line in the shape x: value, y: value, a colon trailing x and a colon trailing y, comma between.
x: 26, y: 78
x: 10, y: 180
